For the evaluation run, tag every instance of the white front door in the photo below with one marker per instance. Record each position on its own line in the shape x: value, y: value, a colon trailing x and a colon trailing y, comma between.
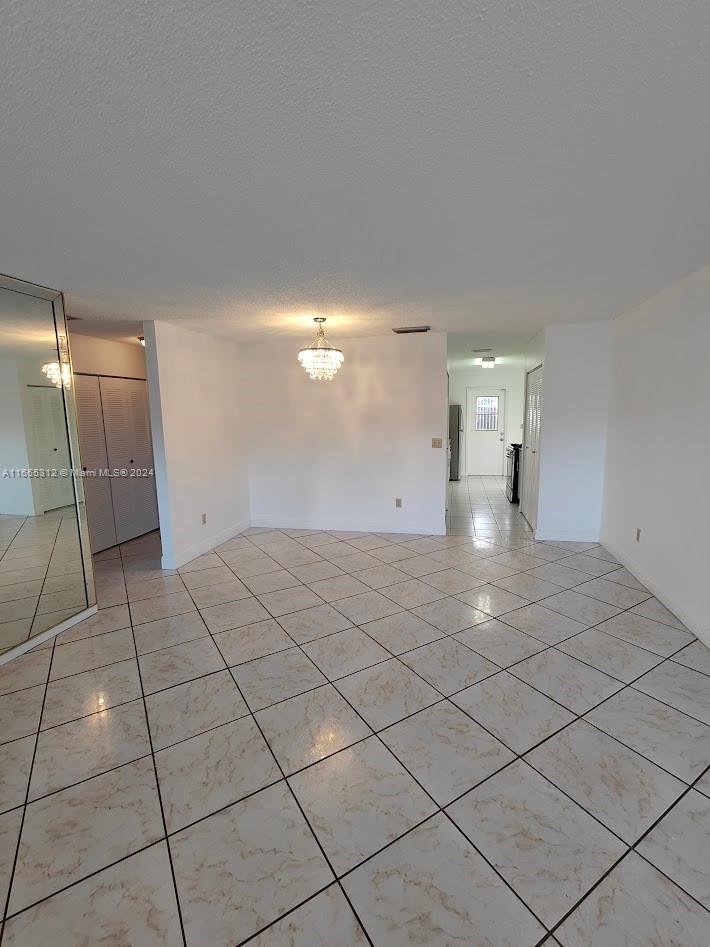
x: 485, y: 431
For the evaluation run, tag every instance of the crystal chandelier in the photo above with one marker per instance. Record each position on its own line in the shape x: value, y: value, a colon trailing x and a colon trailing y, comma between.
x: 59, y: 373
x: 320, y: 359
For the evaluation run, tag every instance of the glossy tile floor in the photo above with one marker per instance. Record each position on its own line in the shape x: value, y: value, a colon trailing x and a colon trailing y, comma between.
x: 321, y: 738
x: 41, y: 574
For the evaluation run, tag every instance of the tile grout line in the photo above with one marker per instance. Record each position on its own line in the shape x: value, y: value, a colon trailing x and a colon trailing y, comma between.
x: 25, y: 804
x: 157, y: 780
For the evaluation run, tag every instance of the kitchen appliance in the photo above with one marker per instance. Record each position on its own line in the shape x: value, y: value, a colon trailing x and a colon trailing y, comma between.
x: 512, y: 473
x: 455, y: 431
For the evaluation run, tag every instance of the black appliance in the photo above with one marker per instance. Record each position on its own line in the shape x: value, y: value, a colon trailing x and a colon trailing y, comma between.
x: 455, y: 429
x: 512, y: 473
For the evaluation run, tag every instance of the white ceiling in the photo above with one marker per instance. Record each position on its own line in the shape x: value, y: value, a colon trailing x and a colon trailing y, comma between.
x: 486, y: 168
x: 26, y: 327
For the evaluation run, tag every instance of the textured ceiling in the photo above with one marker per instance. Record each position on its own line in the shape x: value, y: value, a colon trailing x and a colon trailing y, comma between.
x: 485, y: 167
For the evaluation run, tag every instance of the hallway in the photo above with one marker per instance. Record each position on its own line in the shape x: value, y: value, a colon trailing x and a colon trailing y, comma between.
x: 478, y: 506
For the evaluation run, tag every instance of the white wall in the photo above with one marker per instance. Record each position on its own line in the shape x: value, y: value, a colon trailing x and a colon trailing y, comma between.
x: 511, y: 377
x: 576, y: 383
x: 199, y: 415
x: 15, y: 493
x: 658, y: 457
x: 95, y: 356
x: 336, y: 454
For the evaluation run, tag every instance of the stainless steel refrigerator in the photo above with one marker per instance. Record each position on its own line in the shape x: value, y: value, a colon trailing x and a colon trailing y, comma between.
x: 455, y: 431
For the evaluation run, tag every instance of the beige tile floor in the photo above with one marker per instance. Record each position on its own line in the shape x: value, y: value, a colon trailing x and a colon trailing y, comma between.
x: 326, y: 738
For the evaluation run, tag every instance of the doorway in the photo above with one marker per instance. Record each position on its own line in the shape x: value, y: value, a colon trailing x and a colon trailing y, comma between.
x: 485, y: 431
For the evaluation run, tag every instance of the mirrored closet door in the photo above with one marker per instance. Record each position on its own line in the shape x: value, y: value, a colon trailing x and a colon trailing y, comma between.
x: 46, y: 578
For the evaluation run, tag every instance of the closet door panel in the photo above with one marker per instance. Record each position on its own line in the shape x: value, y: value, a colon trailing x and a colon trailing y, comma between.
x: 143, y: 482
x: 118, y: 444
x: 531, y: 457
x: 92, y: 444
x: 127, y: 426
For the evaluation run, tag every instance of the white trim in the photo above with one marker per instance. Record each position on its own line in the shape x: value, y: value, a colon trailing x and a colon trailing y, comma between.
x: 676, y: 607
x: 393, y: 525
x: 564, y: 535
x: 47, y: 635
x: 204, y: 545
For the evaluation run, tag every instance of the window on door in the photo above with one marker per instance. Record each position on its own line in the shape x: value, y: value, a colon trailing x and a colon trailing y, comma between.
x: 487, y: 413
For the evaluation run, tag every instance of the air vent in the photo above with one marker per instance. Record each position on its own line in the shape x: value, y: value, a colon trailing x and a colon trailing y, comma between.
x: 480, y: 351
x: 406, y: 330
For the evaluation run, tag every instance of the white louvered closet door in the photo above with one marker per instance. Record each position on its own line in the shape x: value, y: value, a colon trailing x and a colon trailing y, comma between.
x: 92, y: 446
x: 127, y: 428
x: 531, y: 448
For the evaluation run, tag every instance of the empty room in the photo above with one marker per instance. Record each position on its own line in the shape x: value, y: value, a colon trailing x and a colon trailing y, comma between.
x: 354, y: 454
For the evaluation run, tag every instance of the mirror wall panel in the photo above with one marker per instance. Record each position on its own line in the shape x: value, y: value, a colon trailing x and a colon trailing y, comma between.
x: 46, y: 579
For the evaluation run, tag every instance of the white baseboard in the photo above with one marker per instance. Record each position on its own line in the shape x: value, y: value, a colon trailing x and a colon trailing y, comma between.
x: 388, y: 526
x: 691, y: 622
x: 568, y: 536
x: 31, y: 643
x: 177, y: 558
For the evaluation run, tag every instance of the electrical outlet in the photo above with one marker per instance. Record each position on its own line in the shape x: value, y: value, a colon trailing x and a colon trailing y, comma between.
x: 204, y: 518
x: 398, y: 503
x: 638, y: 535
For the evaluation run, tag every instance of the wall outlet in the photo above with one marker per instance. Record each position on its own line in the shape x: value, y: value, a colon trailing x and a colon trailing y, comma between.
x: 638, y: 535
x: 437, y: 442
x: 398, y: 503
x: 204, y: 518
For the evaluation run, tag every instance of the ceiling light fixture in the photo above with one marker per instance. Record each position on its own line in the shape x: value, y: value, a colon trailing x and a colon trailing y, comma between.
x: 321, y: 360
x: 488, y: 361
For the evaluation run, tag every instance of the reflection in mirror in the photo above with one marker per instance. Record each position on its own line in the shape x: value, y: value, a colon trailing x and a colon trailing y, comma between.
x: 43, y: 579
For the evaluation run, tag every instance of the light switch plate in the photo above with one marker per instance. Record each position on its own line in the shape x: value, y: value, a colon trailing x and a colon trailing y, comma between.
x: 436, y: 442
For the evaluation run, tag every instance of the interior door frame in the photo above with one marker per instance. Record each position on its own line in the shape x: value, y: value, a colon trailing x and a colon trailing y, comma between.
x: 485, y: 389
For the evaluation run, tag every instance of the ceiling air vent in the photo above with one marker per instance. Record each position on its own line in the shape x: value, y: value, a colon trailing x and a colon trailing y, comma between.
x: 406, y: 330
